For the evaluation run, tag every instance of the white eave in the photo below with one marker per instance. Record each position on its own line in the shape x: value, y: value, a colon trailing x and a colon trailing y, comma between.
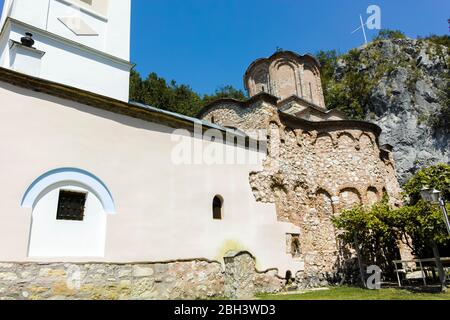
x: 66, y: 41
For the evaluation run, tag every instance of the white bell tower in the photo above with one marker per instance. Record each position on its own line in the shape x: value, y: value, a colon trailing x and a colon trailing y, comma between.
x: 80, y: 43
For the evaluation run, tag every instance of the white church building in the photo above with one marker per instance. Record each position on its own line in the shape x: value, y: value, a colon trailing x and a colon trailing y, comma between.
x: 90, y: 178
x: 71, y: 137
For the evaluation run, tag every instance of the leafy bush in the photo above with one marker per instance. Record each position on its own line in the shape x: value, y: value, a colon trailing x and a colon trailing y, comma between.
x: 425, y: 226
x: 156, y: 92
x: 437, y: 177
x: 386, y: 34
x: 369, y: 230
x: 439, y: 40
x: 351, y: 90
x: 375, y: 231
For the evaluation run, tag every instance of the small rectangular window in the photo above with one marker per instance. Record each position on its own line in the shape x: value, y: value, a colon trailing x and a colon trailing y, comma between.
x: 71, y: 205
x: 293, y: 245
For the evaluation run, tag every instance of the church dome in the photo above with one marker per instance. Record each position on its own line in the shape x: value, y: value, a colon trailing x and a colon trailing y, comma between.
x: 286, y: 74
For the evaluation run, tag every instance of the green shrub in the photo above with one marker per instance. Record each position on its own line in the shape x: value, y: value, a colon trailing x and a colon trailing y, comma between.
x: 386, y: 34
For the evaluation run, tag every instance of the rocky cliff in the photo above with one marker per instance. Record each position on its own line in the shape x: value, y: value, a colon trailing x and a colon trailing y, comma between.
x: 403, y: 86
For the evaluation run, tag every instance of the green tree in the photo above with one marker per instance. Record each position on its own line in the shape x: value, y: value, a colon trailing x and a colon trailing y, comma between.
x: 437, y: 177
x: 185, y: 101
x: 155, y: 91
x: 349, y: 93
x: 136, y: 89
x: 225, y: 92
x: 443, y: 40
x: 369, y: 232
x: 386, y: 34
x: 328, y: 61
x: 374, y: 231
x: 424, y: 224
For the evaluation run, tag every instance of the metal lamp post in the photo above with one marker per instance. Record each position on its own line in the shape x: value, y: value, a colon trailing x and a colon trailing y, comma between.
x: 434, y: 196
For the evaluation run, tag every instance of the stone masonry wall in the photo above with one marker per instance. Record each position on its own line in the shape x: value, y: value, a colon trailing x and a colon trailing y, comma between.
x: 196, y: 279
x: 312, y: 175
x: 242, y: 281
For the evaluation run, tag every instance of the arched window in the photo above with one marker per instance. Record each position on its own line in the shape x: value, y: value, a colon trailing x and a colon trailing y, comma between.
x: 218, y: 208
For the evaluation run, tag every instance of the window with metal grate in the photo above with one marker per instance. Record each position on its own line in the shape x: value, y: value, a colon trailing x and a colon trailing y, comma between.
x: 71, y: 205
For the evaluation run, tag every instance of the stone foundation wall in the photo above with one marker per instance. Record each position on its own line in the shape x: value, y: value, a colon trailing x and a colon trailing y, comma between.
x: 241, y: 280
x: 197, y: 279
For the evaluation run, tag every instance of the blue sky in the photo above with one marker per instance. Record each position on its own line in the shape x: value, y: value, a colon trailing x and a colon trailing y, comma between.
x: 210, y: 43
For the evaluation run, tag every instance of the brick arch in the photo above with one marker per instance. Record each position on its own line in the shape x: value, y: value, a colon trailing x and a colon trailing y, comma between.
x: 260, y: 80
x: 345, y: 134
x: 372, y: 195
x: 304, y: 138
x: 284, y: 78
x: 324, y: 235
x: 365, y: 135
x: 300, y: 193
x: 275, y: 125
x: 275, y: 135
x: 323, y: 192
x: 309, y: 137
x: 350, y: 196
x: 281, y: 194
x: 283, y: 61
x: 273, y: 121
x: 312, y: 89
x: 324, y: 135
x: 289, y: 134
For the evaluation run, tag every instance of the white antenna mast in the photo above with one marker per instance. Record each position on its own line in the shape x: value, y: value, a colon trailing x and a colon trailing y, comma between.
x: 363, y: 29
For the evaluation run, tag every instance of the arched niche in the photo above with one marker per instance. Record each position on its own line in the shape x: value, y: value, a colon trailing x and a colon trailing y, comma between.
x: 366, y: 142
x: 285, y: 79
x: 260, y: 81
x: 324, y: 142
x: 312, y: 90
x: 349, y: 197
x: 324, y: 204
x: 324, y: 236
x: 346, y: 140
x: 280, y: 198
x: 62, y: 224
x: 372, y: 196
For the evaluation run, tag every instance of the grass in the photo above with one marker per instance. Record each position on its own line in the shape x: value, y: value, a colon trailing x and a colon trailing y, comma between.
x: 352, y: 293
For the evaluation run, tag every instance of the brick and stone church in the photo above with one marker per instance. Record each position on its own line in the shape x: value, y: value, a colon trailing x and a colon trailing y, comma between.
x: 96, y: 203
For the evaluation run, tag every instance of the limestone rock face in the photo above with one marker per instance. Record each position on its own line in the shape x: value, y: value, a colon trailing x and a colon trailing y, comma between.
x: 404, y: 101
x: 177, y: 280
